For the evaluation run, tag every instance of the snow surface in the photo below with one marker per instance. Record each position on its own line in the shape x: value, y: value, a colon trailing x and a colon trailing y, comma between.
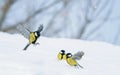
x: 100, y: 58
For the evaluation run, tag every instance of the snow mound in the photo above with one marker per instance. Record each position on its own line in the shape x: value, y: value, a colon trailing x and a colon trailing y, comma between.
x: 100, y: 58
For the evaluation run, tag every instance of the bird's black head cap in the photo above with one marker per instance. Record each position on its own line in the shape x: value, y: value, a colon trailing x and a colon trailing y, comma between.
x: 62, y: 51
x: 69, y: 55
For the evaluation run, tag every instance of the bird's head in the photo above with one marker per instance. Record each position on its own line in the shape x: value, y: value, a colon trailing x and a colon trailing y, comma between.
x: 69, y: 55
x: 38, y: 31
x: 62, y: 52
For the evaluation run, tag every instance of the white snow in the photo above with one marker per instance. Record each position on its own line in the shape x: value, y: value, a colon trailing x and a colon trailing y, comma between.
x: 100, y: 58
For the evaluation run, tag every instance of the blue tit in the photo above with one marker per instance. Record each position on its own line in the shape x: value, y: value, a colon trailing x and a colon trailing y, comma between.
x: 34, y: 36
x: 61, y: 55
x: 71, y: 61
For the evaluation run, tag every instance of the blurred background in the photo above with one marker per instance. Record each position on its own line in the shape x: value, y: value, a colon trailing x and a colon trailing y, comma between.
x: 93, y: 20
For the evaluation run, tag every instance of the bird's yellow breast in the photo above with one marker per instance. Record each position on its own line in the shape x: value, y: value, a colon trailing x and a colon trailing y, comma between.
x: 71, y: 62
x: 64, y: 56
x: 60, y: 56
x: 32, y: 37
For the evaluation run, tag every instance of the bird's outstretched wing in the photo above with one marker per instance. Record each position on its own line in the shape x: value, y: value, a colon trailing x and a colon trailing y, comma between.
x: 22, y: 30
x: 40, y: 28
x: 26, y: 32
x: 78, y: 55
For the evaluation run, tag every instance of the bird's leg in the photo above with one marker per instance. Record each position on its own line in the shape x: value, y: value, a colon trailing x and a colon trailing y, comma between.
x: 37, y: 43
x: 25, y: 48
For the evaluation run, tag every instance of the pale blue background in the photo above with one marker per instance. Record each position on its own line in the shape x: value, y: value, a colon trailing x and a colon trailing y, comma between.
x: 80, y: 19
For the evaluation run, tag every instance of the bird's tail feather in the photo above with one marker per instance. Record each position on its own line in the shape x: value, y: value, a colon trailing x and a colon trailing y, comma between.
x: 80, y: 66
x: 26, y: 46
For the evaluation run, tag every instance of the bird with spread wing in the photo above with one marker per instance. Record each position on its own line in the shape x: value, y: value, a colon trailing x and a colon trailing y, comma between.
x: 33, y: 36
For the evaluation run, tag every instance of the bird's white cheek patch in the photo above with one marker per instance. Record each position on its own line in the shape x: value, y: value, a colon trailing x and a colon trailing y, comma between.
x: 36, y: 34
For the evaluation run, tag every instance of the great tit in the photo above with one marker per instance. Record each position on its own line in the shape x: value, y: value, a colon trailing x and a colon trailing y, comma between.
x: 61, y: 55
x: 33, y: 36
x: 71, y: 61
